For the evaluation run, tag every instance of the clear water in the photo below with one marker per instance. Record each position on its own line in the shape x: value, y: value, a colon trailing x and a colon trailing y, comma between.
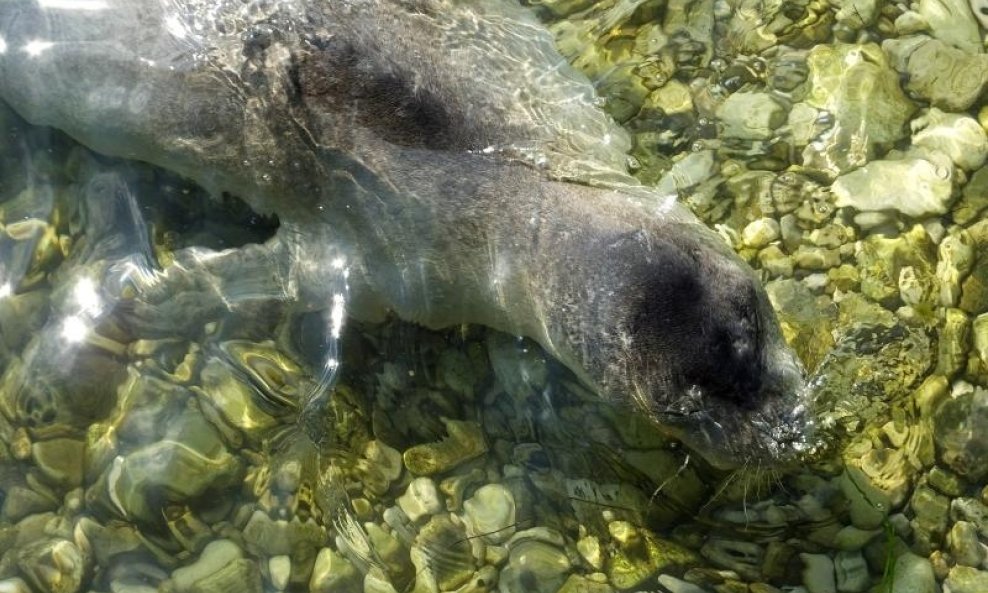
x: 193, y: 401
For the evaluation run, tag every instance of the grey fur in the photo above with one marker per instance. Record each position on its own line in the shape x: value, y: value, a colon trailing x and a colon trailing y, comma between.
x: 433, y: 144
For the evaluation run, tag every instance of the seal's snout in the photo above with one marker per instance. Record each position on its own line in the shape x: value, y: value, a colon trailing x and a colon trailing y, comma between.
x: 707, y: 359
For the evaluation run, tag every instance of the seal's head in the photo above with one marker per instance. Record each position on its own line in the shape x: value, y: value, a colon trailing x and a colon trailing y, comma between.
x: 683, y: 328
x: 709, y: 362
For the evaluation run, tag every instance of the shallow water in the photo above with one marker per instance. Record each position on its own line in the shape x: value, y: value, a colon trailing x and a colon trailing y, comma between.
x: 154, y: 443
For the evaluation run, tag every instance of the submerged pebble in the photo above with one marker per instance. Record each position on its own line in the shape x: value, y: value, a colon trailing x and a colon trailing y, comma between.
x: 916, y: 187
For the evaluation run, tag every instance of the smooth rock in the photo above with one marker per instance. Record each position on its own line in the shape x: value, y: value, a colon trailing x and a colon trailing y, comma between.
x: 280, y: 569
x: 21, y: 502
x: 974, y: 198
x: 962, y: 541
x: 958, y: 136
x: 182, y: 468
x: 869, y: 506
x: 805, y: 124
x: 376, y: 581
x: 960, y: 427
x: 534, y: 567
x: 955, y: 260
x: 913, y: 574
x: 931, y: 510
x: 590, y: 550
x: 382, y: 462
x: 947, y: 77
x: 420, y: 499
x: 60, y: 460
x: 277, y: 536
x: 14, y: 585
x: 444, y: 554
x: 916, y: 187
x: 850, y: 538
x: 675, y: 585
x: 880, y: 261
x: 52, y: 565
x: 851, y: 571
x: 744, y: 557
x: 972, y: 510
x: 856, y: 13
x: 490, y: 513
x: 750, y: 116
x: 964, y: 579
x: 816, y: 258
x: 672, y: 97
x: 332, y: 572
x: 974, y: 288
x: 807, y: 319
x: 581, y: 584
x: 952, y: 22
x: 954, y: 342
x: 978, y: 363
x: 818, y: 573
x: 945, y: 482
x: 214, y: 557
x: 910, y: 22
x: 858, y: 87
x: 774, y: 261
x: 760, y: 232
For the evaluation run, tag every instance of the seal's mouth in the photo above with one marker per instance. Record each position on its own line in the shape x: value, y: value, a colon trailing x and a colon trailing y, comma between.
x: 731, y: 441
x: 775, y: 432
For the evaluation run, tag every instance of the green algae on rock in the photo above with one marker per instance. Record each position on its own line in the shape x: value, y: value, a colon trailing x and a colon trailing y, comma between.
x: 464, y: 441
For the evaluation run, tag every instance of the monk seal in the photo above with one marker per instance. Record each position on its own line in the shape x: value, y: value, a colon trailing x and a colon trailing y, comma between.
x: 448, y: 154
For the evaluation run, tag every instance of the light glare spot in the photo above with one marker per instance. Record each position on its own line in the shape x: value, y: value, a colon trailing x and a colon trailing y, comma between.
x: 116, y: 469
x: 74, y: 329
x: 336, y: 316
x: 176, y: 27
x: 87, y: 297
x: 6, y: 290
x: 36, y: 47
x: 3, y: 45
x: 666, y: 204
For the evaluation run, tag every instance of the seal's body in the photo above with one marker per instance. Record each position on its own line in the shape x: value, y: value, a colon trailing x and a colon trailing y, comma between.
x: 436, y: 146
